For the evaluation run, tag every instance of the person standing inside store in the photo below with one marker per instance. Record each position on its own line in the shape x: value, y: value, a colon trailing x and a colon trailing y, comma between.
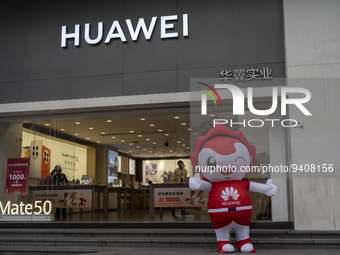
x: 180, y: 172
x: 59, y: 178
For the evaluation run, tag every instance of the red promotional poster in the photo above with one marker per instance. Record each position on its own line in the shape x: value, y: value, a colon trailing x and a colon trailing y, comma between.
x: 17, y: 176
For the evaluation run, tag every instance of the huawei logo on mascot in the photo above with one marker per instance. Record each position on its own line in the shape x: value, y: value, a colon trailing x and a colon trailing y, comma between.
x: 230, y: 193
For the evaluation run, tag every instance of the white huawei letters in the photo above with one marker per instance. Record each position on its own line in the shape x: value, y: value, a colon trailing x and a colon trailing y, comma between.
x: 167, y: 30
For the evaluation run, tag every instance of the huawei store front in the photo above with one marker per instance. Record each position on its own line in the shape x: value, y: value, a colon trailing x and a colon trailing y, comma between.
x: 110, y: 162
x: 105, y: 92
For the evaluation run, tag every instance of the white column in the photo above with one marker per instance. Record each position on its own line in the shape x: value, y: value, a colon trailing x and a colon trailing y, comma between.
x: 313, y: 59
x: 277, y: 152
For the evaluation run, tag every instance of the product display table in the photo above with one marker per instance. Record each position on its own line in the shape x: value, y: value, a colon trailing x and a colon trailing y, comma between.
x: 87, y: 196
x: 142, y: 193
x: 125, y: 195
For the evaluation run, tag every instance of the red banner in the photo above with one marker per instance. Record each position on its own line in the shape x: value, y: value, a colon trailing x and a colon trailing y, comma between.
x: 17, y: 176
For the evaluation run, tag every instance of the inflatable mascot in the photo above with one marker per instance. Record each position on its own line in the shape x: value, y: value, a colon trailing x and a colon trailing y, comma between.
x: 221, y: 158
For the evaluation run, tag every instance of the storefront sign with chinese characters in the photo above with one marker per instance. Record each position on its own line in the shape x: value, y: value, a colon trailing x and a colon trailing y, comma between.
x: 173, y: 197
x: 244, y: 75
x: 17, y: 176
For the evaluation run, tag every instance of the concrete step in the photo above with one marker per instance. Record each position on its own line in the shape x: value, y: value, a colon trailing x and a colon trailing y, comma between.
x: 82, y: 241
x: 158, y: 251
x: 165, y: 242
x: 263, y: 233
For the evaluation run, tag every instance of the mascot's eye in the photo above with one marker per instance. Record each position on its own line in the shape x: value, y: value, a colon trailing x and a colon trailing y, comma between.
x: 211, y: 161
x: 240, y: 158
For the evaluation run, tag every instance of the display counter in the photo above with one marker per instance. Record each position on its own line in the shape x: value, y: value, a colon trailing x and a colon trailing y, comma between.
x: 64, y: 196
x: 175, y: 195
x: 96, y: 197
x: 87, y: 196
x: 143, y: 194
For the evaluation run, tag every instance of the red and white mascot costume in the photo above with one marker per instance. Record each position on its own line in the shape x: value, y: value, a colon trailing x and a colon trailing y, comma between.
x: 222, y: 158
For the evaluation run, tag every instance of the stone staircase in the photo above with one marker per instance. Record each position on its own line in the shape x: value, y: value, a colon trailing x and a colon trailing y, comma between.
x: 94, y: 240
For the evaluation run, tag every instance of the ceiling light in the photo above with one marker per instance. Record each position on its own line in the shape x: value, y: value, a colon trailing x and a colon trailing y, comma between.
x: 137, y: 146
x: 62, y: 129
x: 189, y: 129
x: 178, y: 141
x: 91, y: 128
x: 147, y: 139
x: 47, y: 124
x: 76, y: 134
x: 144, y: 149
x: 183, y: 123
x: 109, y: 121
x: 122, y: 140
x: 87, y: 138
x: 176, y: 117
x: 166, y: 134
x: 130, y: 143
x: 77, y: 123
x: 142, y: 118
x: 131, y: 131
x: 152, y: 125
x: 98, y: 141
x: 113, y: 137
x: 140, y: 135
x: 160, y: 130
x: 103, y: 133
x: 154, y: 143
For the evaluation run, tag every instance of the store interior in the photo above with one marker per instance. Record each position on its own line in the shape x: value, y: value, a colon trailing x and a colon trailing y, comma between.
x: 89, y: 145
x: 74, y: 142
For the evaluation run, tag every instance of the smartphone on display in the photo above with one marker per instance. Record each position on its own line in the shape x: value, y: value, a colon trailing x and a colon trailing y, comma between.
x: 40, y: 160
x: 45, y: 162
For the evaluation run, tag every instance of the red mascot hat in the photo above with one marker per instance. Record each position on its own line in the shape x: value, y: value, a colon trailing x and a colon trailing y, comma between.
x: 220, y: 132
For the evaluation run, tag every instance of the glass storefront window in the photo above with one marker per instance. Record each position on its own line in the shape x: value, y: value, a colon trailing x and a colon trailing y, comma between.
x: 109, y: 181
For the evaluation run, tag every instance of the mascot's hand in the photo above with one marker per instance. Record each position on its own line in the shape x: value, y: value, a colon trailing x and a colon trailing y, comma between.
x: 195, y: 183
x: 271, y: 189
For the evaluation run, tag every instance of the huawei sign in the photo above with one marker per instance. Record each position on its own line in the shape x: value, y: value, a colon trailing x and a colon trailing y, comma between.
x: 167, y: 29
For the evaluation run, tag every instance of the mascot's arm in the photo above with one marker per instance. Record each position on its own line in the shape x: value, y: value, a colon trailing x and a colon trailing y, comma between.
x: 195, y: 183
x: 268, y: 189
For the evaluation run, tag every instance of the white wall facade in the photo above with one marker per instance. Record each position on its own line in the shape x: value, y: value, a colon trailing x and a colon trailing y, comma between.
x: 312, y: 39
